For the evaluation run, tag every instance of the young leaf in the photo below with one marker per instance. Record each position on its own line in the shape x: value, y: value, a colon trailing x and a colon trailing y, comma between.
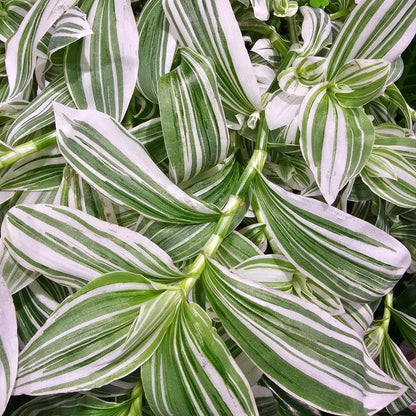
x: 21, y: 50
x: 398, y: 188
x: 192, y: 372
x: 101, y: 69
x: 157, y: 48
x: 344, y: 254
x: 79, y: 346
x: 193, y: 121
x: 336, y: 142
x: 112, y: 161
x: 9, y: 349
x: 70, y: 27
x: 360, y: 81
x: 303, y: 349
x: 211, y: 29
x: 375, y: 29
x: 73, y: 248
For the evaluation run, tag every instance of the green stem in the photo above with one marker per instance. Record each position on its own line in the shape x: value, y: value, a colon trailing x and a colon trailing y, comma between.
x: 293, y: 34
x: 341, y: 13
x: 388, y: 304
x: 137, y: 401
x: 278, y: 43
x: 26, y: 149
x: 235, y: 201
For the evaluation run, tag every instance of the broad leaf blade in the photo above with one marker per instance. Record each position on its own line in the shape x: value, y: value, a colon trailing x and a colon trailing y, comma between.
x: 193, y: 121
x: 101, y: 69
x: 84, y: 336
x: 193, y: 373
x: 303, y: 349
x: 337, y: 250
x: 157, y: 48
x: 336, y: 142
x: 211, y: 29
x: 73, y: 248
x: 116, y: 164
x: 9, y: 349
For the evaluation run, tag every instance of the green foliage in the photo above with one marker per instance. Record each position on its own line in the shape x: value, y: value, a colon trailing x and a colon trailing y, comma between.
x: 204, y: 204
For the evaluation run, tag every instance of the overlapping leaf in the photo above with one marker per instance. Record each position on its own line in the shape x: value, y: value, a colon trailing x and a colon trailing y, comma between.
x: 9, y: 349
x: 375, y: 29
x: 21, y: 50
x: 116, y: 164
x: 211, y: 29
x: 344, y: 254
x: 101, y: 69
x: 78, y: 346
x: 193, y: 121
x: 192, y: 372
x: 157, y: 48
x: 73, y: 248
x: 303, y: 349
x: 16, y: 11
x: 336, y: 142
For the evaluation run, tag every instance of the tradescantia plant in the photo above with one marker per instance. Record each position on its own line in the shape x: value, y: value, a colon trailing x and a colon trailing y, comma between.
x: 206, y: 206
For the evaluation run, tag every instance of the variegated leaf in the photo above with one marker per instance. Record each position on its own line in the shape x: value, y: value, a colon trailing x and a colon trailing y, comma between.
x: 112, y: 161
x: 193, y: 121
x: 73, y: 248
x: 360, y: 81
x: 316, y: 31
x: 261, y: 9
x: 70, y: 27
x: 282, y: 109
x: 358, y: 316
x: 303, y: 349
x: 398, y: 185
x: 211, y: 29
x: 344, y: 254
x: 39, y: 112
x: 192, y: 372
x: 9, y: 348
x: 407, y: 326
x: 376, y: 29
x: 21, y: 50
x: 157, y: 48
x: 101, y: 70
x: 40, y: 171
x: 336, y: 142
x: 80, y: 346
x: 16, y: 11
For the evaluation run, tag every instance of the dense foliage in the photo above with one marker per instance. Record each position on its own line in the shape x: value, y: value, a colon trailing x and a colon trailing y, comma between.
x: 207, y: 206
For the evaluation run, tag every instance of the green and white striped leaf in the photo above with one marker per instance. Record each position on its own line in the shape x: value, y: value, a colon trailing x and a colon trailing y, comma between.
x: 70, y: 27
x: 395, y: 102
x: 282, y: 109
x: 398, y: 185
x: 73, y: 404
x: 73, y: 248
x: 407, y: 326
x: 272, y: 270
x: 157, y: 48
x: 39, y: 113
x: 35, y: 304
x: 193, y: 121
x: 358, y: 316
x: 150, y: 135
x: 193, y: 373
x: 15, y: 275
x: 16, y: 11
x: 302, y: 348
x: 285, y: 8
x: 9, y: 348
x: 21, y: 51
x: 113, y: 162
x: 101, y: 70
x: 395, y: 364
x: 40, y: 171
x: 316, y: 31
x: 80, y: 346
x: 336, y: 142
x: 360, y: 81
x: 345, y: 255
x: 255, y: 233
x: 375, y: 29
x: 211, y: 29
